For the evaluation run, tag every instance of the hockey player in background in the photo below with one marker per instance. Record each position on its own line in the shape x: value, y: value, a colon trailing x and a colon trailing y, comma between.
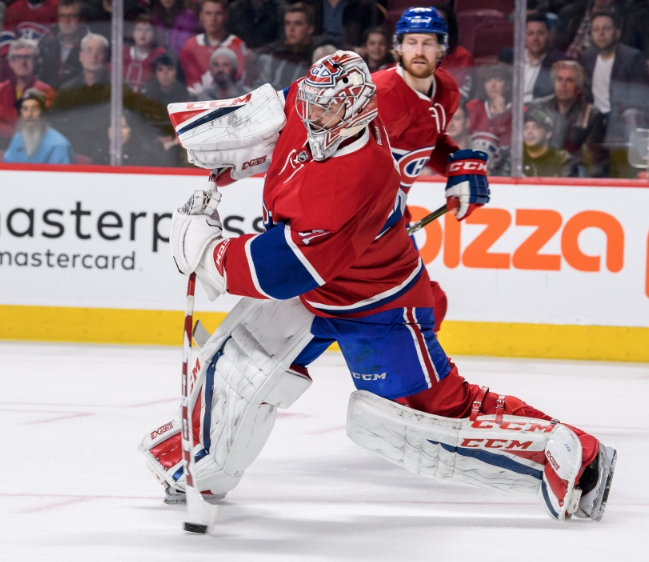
x: 335, y: 263
x: 417, y: 100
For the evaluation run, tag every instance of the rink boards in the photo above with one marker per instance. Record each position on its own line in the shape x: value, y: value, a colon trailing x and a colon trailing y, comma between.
x: 546, y: 270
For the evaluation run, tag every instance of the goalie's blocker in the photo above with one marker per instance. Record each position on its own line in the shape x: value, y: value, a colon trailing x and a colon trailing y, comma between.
x: 238, y: 133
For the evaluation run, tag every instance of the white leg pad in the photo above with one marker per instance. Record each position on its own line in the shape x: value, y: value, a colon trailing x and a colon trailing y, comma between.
x: 243, y: 375
x: 251, y: 380
x: 510, y: 455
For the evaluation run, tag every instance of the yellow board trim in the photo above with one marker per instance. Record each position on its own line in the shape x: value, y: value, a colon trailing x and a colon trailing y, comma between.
x: 163, y: 327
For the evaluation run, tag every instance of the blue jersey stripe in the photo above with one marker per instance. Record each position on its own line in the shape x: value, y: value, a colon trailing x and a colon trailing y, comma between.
x: 342, y: 310
x: 281, y: 275
x: 395, y: 214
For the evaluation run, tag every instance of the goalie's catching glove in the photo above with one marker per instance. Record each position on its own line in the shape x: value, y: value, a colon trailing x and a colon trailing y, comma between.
x: 195, y: 234
x: 467, y: 186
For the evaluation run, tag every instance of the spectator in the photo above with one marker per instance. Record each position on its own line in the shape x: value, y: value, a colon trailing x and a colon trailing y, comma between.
x: 137, y: 148
x: 30, y: 19
x: 36, y: 142
x: 344, y: 22
x: 578, y: 125
x: 573, y: 35
x: 81, y: 101
x: 6, y: 38
x: 100, y: 12
x: 257, y: 22
x: 140, y: 58
x: 458, y: 127
x: 195, y: 55
x: 620, y: 86
x: 457, y: 60
x: 175, y: 22
x: 539, y: 58
x: 490, y: 116
x: 224, y: 69
x: 164, y: 88
x: 377, y: 43
x: 636, y: 24
x: 60, y: 48
x: 23, y: 54
x: 322, y: 51
x: 287, y: 60
x: 539, y: 159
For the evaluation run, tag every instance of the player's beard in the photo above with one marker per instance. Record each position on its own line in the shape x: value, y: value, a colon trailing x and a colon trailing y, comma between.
x: 419, y: 71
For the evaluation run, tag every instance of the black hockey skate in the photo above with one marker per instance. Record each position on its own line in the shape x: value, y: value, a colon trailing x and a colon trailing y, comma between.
x: 595, y: 484
x: 174, y: 496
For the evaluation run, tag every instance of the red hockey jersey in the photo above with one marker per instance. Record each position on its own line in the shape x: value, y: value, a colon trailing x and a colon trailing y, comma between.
x: 416, y: 123
x: 30, y: 21
x: 137, y: 72
x: 489, y: 133
x: 195, y: 60
x: 335, y: 232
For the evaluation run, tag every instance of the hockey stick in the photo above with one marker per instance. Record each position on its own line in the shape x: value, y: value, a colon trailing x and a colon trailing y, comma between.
x: 200, y: 513
x: 428, y: 219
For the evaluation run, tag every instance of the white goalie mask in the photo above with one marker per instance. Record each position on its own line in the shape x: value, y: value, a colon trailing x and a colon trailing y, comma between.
x: 336, y: 99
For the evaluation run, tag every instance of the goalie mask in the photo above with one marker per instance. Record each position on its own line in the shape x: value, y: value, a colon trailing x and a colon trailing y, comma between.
x: 335, y: 101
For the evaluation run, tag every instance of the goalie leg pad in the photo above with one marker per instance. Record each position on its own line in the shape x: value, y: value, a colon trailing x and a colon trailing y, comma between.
x: 508, y: 455
x: 248, y: 375
x: 244, y: 374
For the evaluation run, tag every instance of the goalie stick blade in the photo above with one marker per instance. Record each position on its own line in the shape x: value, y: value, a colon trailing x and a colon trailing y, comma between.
x: 199, y: 513
x: 201, y: 335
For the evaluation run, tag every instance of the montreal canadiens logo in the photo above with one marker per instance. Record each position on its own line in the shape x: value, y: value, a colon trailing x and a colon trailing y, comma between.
x: 411, y: 164
x: 324, y: 75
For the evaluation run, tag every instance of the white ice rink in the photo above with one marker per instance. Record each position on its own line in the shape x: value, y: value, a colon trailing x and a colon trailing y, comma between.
x: 73, y: 486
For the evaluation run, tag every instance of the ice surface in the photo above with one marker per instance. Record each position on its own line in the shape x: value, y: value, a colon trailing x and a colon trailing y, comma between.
x: 75, y: 488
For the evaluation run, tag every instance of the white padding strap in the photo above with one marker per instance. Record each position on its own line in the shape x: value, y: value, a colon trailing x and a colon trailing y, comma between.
x: 508, y: 456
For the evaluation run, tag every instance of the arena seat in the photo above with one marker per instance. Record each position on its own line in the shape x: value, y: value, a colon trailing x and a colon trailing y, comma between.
x: 491, y: 38
x: 504, y: 6
x: 469, y: 21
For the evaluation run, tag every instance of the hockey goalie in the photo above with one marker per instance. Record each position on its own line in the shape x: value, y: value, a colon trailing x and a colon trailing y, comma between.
x: 335, y: 264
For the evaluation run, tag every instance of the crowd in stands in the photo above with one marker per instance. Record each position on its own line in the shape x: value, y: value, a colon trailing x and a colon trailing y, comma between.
x: 586, y: 76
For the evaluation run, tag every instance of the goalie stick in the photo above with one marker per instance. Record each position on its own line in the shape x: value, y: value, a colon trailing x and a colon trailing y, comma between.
x: 428, y: 219
x: 200, y: 513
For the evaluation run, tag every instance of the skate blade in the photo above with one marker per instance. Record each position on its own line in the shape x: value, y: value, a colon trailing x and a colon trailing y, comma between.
x: 607, y: 488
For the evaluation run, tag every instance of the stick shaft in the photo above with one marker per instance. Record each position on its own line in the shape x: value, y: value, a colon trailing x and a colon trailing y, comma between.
x: 428, y: 219
x: 187, y: 433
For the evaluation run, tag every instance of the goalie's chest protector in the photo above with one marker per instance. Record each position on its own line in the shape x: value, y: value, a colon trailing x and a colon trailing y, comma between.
x: 414, y: 121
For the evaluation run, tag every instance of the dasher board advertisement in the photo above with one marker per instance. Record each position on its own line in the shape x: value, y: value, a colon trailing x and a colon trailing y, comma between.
x: 538, y: 253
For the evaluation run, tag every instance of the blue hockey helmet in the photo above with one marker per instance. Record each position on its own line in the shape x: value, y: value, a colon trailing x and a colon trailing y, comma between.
x: 422, y: 20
